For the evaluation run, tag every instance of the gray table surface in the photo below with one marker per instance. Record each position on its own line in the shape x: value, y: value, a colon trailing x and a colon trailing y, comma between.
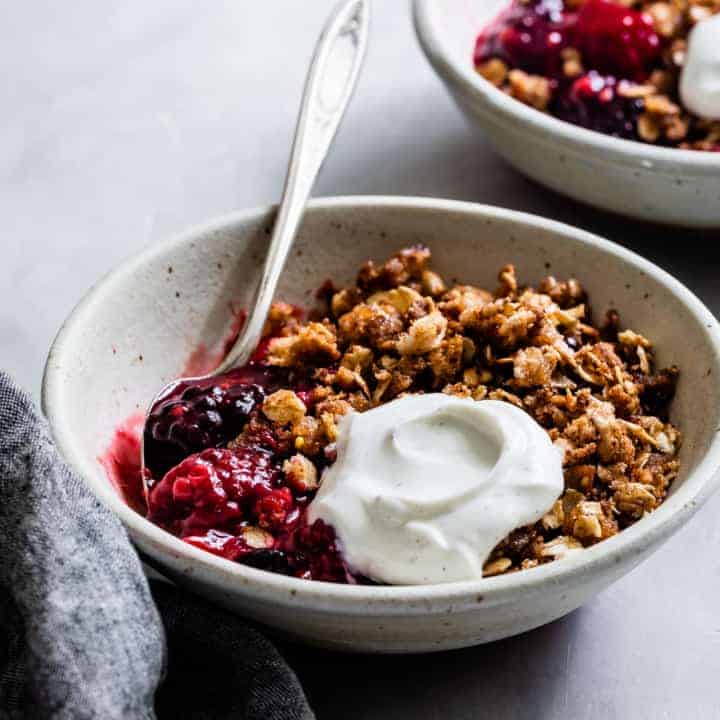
x: 125, y: 121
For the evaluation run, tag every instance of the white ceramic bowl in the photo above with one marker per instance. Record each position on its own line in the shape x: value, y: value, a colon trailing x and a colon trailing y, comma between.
x: 680, y: 187
x: 95, y: 378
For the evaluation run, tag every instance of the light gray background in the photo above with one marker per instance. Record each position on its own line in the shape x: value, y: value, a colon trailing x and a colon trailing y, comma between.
x: 123, y: 121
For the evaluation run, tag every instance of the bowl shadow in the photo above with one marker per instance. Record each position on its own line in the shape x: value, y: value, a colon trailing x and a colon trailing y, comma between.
x: 492, y: 680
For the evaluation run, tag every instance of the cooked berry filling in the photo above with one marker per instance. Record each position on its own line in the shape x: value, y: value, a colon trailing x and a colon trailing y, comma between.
x: 237, y: 504
x: 605, y: 65
x: 593, y: 101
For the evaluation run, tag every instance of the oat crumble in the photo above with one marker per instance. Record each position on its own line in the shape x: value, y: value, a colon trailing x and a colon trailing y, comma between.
x: 401, y: 329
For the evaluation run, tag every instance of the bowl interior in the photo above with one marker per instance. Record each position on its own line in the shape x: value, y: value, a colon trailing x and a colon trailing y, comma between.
x: 135, y: 331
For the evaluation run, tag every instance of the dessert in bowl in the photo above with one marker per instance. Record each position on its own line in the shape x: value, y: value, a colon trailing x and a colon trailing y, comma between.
x: 591, y: 97
x: 111, y: 355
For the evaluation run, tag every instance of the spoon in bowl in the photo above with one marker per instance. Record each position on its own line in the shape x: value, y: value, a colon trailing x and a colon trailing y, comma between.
x: 330, y: 81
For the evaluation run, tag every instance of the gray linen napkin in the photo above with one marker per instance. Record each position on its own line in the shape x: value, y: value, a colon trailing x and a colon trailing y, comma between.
x: 83, y: 635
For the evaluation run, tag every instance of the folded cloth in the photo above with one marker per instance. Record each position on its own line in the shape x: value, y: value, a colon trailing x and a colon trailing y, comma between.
x: 82, y: 633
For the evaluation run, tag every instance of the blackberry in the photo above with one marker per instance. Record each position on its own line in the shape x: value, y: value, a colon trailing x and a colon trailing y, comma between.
x: 528, y: 36
x: 204, y: 414
x: 593, y: 102
x: 272, y: 560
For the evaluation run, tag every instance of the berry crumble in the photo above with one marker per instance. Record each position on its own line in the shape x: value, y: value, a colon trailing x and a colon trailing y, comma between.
x: 236, y: 460
x: 612, y: 66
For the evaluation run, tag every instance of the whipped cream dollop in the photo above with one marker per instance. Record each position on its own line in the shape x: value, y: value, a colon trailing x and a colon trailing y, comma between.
x: 700, y: 77
x: 424, y: 487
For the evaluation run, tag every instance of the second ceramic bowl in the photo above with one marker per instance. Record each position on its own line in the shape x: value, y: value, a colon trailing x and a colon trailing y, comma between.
x: 679, y: 187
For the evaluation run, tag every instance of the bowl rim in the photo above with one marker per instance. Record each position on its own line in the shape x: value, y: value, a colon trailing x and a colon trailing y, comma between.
x: 548, y: 128
x: 418, y: 599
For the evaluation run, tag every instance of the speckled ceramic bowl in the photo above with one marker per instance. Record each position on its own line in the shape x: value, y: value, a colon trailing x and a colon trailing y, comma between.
x: 132, y: 333
x: 679, y: 187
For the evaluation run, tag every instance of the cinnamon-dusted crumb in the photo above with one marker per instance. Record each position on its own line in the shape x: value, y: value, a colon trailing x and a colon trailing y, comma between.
x: 301, y: 474
x: 314, y: 342
x: 404, y: 329
x: 284, y: 407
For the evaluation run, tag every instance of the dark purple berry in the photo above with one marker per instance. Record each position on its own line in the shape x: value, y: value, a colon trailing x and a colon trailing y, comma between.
x: 593, y: 101
x: 204, y: 414
x: 528, y: 36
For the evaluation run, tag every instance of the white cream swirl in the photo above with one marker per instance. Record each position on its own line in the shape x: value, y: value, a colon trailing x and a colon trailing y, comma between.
x: 424, y: 487
x: 700, y: 77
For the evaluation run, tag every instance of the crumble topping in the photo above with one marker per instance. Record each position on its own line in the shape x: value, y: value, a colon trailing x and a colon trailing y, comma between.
x: 400, y: 329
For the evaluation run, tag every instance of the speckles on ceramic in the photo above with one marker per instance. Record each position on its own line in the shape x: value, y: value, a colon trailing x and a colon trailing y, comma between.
x: 93, y: 381
x: 678, y: 187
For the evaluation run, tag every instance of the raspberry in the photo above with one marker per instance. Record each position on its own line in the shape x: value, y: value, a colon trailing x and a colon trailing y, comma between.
x: 204, y: 414
x: 209, y: 498
x: 592, y: 102
x: 311, y: 552
x: 214, y: 489
x: 615, y: 40
x: 272, y: 510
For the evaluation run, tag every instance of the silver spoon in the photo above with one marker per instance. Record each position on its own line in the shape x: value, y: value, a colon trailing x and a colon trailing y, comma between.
x: 330, y: 81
